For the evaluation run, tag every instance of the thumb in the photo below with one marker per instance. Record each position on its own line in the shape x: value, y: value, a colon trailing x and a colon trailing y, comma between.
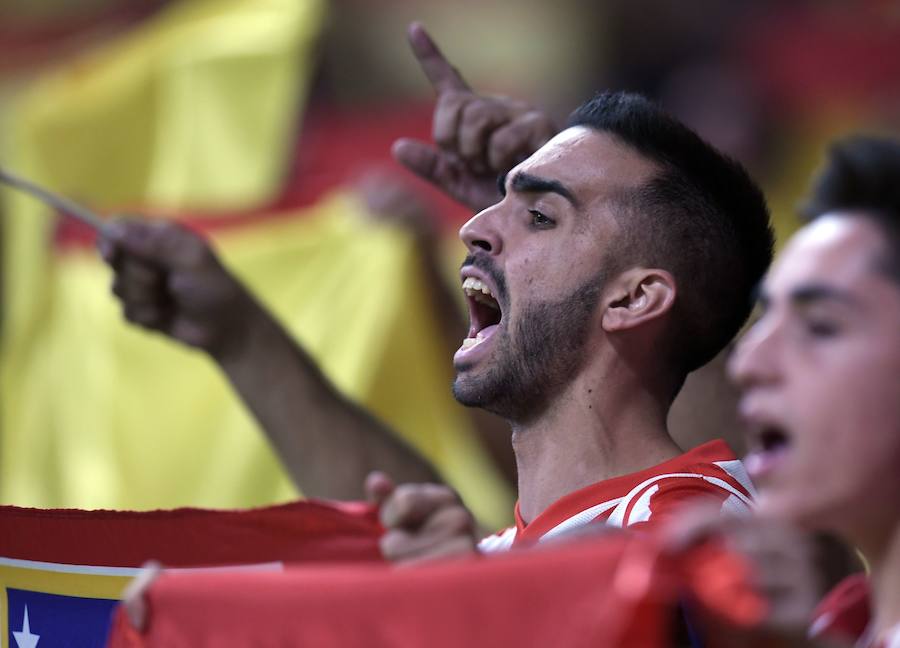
x: 443, y: 76
x: 379, y: 486
x: 135, y: 596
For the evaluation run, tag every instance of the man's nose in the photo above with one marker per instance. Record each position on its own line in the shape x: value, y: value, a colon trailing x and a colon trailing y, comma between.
x: 482, y: 233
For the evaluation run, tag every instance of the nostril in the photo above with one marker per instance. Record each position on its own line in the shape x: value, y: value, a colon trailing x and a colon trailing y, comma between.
x: 484, y: 245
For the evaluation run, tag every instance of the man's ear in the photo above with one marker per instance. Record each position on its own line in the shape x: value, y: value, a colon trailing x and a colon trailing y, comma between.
x: 637, y: 296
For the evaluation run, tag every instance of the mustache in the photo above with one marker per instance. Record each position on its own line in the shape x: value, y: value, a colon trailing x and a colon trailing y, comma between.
x: 486, y: 264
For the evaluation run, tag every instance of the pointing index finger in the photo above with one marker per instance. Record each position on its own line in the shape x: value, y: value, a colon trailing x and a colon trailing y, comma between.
x: 443, y: 76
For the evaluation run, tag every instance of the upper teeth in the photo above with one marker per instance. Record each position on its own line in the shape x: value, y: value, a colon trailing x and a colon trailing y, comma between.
x: 476, y: 288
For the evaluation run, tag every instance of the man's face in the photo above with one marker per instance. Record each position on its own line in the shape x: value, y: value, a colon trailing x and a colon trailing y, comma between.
x: 820, y: 373
x: 534, y: 274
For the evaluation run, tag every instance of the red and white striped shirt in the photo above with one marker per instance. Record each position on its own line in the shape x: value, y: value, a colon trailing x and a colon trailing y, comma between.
x: 845, y: 614
x: 709, y: 472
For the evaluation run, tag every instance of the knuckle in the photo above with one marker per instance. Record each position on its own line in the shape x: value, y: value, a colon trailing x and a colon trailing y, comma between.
x: 439, y: 492
x: 533, y: 117
x: 180, y: 284
x: 443, y: 136
x: 462, y: 545
x: 406, y: 496
x: 455, y: 98
x: 504, y: 141
x: 478, y: 114
x: 393, y: 544
x: 539, y: 127
x: 137, y: 315
x: 398, y: 507
x: 458, y: 519
x: 140, y: 274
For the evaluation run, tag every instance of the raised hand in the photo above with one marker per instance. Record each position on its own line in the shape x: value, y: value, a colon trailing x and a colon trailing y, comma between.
x: 169, y: 280
x: 478, y: 137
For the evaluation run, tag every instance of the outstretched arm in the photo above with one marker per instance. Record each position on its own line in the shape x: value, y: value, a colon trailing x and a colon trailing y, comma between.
x: 169, y: 280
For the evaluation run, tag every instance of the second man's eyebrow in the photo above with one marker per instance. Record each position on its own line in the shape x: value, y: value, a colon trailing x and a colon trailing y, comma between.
x: 809, y: 293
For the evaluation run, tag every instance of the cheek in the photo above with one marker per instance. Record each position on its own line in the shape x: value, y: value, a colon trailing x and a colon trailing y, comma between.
x: 848, y: 444
x: 536, y: 278
x: 847, y: 391
x: 844, y: 411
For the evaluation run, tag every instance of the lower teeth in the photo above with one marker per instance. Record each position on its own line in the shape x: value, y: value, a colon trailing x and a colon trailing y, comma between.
x: 468, y: 342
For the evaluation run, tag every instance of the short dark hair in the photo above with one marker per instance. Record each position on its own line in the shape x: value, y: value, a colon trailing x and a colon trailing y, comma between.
x: 701, y: 217
x: 862, y: 175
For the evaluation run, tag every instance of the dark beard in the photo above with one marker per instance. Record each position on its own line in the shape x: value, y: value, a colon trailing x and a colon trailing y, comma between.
x: 533, y: 366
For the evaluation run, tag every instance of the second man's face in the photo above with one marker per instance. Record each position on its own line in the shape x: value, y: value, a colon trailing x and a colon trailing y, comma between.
x: 820, y: 375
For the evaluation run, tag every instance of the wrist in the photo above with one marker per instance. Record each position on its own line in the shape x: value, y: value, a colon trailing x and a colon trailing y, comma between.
x: 248, y: 328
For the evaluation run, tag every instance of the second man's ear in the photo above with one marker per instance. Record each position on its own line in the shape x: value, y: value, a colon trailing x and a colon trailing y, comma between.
x: 636, y: 297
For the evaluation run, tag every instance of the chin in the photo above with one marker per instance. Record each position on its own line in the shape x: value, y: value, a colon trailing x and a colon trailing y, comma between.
x: 485, y: 394
x: 804, y: 512
x: 465, y: 392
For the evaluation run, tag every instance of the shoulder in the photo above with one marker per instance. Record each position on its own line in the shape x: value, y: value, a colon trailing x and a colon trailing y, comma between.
x: 844, y: 613
x: 691, y: 481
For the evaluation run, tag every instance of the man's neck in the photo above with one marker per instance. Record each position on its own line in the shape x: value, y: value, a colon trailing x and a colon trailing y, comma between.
x: 591, y: 433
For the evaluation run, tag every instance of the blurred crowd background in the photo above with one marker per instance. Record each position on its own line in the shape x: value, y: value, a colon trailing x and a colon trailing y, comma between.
x: 266, y: 125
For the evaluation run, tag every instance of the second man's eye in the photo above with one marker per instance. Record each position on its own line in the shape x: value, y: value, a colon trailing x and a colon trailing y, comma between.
x: 540, y: 220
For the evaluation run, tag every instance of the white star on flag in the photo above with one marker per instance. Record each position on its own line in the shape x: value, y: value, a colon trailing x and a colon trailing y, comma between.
x: 24, y: 638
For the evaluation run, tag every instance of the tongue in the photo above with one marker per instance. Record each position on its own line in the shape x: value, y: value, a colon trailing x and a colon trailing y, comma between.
x: 474, y: 348
x: 761, y: 462
x: 486, y: 332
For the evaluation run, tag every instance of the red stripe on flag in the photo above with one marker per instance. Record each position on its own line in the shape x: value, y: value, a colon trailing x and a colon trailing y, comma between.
x: 305, y: 531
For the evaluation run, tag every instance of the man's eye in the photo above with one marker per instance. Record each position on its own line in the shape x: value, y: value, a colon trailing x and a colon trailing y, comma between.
x: 822, y: 329
x: 540, y: 220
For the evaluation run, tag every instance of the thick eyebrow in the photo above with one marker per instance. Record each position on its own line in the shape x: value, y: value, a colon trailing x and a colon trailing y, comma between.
x: 527, y: 183
x: 810, y: 293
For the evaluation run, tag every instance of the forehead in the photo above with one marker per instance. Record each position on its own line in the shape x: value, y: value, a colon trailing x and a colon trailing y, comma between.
x: 592, y: 164
x: 840, y: 248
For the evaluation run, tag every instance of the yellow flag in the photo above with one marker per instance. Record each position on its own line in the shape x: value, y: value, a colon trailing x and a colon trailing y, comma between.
x: 195, y: 110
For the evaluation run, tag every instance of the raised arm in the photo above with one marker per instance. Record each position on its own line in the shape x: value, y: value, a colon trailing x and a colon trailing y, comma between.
x: 169, y: 280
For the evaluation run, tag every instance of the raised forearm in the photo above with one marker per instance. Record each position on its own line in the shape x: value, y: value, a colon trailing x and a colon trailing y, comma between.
x: 327, y: 443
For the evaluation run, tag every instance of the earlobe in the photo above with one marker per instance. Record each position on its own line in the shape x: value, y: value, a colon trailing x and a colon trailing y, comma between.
x: 638, y: 296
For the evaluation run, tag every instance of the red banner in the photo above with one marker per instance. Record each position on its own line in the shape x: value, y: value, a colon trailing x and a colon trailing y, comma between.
x: 618, y: 591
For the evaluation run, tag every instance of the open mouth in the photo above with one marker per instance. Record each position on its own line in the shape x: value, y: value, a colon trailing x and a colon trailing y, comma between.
x: 771, y: 445
x: 773, y: 439
x: 484, y: 315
